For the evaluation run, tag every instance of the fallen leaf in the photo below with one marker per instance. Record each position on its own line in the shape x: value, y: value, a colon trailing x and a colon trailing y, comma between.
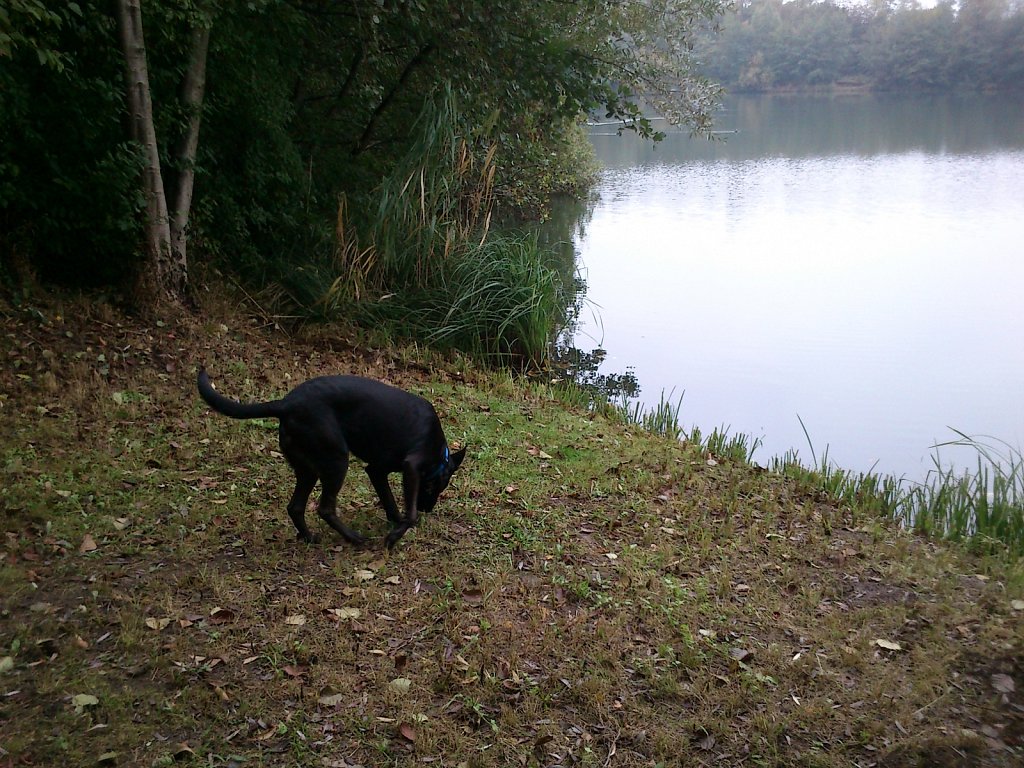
x: 707, y: 743
x: 1017, y: 605
x: 88, y: 544
x: 393, y: 580
x: 295, y: 620
x: 107, y: 758
x: 362, y: 574
x: 611, y: 556
x: 407, y: 731
x: 82, y: 700
x: 157, y: 624
x: 400, y: 685
x: 183, y: 750
x: 740, y: 654
x: 330, y: 698
x: 6, y: 664
x: 1003, y: 683
x: 474, y: 596
x: 221, y: 616
x: 341, y: 614
x: 293, y: 670
x: 219, y: 690
x: 888, y: 645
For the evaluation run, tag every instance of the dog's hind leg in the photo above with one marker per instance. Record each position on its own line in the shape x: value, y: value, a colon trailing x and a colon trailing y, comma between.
x: 305, y: 479
x: 332, y: 475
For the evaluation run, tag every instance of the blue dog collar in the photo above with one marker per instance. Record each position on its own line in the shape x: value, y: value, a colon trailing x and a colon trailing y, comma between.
x: 441, y: 467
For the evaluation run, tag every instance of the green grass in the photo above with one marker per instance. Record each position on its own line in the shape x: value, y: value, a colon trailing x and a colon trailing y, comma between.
x: 585, y: 593
x: 982, y: 508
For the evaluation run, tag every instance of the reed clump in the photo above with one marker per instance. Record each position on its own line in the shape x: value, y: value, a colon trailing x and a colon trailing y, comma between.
x: 422, y: 260
x: 982, y: 507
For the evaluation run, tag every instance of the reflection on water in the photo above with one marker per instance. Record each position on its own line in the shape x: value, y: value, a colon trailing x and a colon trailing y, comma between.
x: 856, y: 261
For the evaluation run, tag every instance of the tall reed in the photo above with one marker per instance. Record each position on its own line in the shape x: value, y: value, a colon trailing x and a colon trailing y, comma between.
x: 423, y: 261
x: 983, y: 507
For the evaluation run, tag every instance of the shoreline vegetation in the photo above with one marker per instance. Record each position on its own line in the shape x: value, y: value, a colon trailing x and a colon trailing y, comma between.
x: 982, y: 508
x: 589, y: 592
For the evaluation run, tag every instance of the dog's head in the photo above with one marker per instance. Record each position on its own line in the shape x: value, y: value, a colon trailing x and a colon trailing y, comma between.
x: 437, y: 479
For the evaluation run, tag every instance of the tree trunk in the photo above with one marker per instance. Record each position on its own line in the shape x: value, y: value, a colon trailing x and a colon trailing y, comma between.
x: 163, y: 276
x: 192, y: 89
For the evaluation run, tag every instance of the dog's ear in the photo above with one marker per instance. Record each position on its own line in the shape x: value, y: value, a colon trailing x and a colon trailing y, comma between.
x: 455, y: 460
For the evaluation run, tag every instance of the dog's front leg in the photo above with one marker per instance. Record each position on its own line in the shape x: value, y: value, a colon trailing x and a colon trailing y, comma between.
x: 410, y: 492
x: 379, y: 480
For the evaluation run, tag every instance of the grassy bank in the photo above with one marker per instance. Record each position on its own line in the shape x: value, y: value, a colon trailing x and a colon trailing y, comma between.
x: 587, y: 593
x: 982, y: 508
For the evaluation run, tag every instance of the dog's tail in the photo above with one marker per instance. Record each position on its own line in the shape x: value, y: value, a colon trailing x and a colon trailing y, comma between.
x: 233, y: 408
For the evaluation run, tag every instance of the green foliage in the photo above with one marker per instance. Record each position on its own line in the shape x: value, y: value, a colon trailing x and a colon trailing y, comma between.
x: 68, y: 178
x: 306, y: 104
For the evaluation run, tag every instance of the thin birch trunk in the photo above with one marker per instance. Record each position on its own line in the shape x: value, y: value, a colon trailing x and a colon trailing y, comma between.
x: 192, y: 89
x: 170, y: 275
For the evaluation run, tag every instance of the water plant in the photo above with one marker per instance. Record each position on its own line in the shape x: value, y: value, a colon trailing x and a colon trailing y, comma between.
x: 982, y: 507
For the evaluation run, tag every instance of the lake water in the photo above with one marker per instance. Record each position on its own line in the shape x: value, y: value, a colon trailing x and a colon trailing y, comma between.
x: 857, y: 261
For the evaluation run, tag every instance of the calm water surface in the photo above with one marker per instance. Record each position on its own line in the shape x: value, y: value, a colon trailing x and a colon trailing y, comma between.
x: 858, y: 261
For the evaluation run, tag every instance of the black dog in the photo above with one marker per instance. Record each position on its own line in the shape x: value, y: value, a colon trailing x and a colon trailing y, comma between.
x: 324, y: 419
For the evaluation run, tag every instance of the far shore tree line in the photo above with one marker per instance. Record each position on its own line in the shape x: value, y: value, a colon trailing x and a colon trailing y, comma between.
x: 769, y: 45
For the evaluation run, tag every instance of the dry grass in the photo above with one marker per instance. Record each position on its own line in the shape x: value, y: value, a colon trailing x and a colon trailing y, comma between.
x: 586, y: 594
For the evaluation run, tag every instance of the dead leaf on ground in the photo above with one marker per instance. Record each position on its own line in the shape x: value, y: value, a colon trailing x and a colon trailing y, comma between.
x: 221, y: 616
x: 295, y: 620
x: 182, y: 751
x: 888, y: 645
x: 407, y: 731
x: 400, y: 685
x: 82, y: 701
x: 157, y: 624
x: 294, y: 670
x: 742, y: 655
x: 88, y: 544
x: 1003, y: 683
x: 362, y: 574
x: 329, y: 697
x: 342, y: 614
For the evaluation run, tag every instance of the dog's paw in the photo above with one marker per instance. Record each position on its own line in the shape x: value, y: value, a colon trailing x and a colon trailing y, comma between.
x: 394, y: 535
